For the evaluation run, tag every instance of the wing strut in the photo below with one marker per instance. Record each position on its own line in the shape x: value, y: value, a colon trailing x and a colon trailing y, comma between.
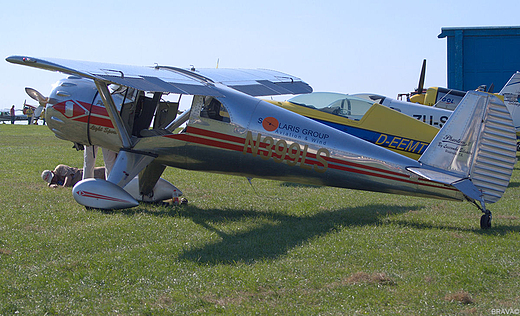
x: 113, y: 114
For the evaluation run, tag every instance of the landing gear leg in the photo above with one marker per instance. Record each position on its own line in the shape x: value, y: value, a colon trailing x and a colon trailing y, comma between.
x: 473, y: 194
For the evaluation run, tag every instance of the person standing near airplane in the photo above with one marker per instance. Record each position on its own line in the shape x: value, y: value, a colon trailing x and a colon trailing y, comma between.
x: 13, y: 116
x: 89, y: 160
x: 29, y: 112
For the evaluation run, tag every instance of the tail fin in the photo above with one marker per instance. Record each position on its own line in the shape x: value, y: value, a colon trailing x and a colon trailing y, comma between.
x: 475, y: 151
x: 511, y: 94
x: 512, y: 86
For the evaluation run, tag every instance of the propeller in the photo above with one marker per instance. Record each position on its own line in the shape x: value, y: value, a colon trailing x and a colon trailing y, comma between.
x: 34, y: 94
x: 421, y: 78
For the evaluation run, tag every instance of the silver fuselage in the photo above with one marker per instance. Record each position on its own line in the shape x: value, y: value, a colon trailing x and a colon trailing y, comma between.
x: 257, y: 140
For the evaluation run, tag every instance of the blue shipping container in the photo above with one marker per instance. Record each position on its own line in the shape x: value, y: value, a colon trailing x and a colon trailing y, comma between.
x: 481, y: 56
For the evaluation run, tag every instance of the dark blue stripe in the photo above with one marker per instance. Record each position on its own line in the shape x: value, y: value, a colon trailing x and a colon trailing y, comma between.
x: 380, y: 139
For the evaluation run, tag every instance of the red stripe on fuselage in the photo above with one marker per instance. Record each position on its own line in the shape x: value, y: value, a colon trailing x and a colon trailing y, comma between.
x: 94, y: 120
x: 334, y: 163
x: 98, y: 114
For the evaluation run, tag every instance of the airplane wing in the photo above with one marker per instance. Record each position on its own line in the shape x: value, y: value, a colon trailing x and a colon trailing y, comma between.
x: 172, y: 79
x: 257, y: 82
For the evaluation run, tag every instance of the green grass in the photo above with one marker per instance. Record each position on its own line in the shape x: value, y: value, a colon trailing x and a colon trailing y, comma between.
x: 281, y: 248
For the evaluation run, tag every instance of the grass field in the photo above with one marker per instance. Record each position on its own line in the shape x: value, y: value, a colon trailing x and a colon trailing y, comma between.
x: 280, y: 249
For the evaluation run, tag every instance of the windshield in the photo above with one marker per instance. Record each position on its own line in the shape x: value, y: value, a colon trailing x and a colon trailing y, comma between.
x: 334, y: 103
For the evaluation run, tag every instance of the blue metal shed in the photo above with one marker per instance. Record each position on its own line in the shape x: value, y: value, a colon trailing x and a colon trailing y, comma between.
x: 481, y: 55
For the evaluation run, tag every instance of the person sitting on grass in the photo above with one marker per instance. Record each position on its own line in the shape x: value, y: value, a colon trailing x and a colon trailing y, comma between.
x: 66, y: 176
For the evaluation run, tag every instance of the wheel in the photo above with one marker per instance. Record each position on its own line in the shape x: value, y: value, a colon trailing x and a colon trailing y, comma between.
x: 485, y: 221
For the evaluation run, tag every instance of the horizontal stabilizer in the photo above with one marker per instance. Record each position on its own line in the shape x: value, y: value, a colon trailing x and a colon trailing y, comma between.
x: 435, y: 175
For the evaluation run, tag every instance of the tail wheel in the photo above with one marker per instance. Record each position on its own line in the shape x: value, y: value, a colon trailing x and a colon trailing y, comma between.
x: 485, y: 221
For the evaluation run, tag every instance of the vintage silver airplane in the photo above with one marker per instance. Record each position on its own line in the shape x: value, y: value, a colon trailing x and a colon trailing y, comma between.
x: 228, y: 130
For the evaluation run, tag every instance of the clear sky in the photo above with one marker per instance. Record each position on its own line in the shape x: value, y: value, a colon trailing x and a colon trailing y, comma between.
x: 341, y: 46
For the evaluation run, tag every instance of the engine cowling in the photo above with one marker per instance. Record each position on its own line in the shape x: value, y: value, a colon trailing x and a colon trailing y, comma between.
x: 75, y: 112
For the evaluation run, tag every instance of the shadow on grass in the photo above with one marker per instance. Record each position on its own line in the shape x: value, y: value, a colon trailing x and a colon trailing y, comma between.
x: 280, y: 232
x: 273, y: 233
x: 513, y: 185
x: 276, y: 234
x: 495, y: 230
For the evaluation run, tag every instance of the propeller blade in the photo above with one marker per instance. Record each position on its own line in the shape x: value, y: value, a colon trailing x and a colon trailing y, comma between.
x: 34, y: 94
x: 421, y: 78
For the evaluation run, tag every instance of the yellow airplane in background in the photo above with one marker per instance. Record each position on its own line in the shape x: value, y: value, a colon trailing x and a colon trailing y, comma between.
x: 445, y: 98
x: 365, y: 119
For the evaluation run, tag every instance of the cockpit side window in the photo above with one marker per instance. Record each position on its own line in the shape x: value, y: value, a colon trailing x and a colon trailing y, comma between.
x: 214, y: 110
x: 350, y: 108
x: 338, y: 107
x: 122, y: 95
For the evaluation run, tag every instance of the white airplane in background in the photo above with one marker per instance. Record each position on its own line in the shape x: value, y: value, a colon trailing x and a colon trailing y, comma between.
x: 230, y: 131
x: 5, y: 115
